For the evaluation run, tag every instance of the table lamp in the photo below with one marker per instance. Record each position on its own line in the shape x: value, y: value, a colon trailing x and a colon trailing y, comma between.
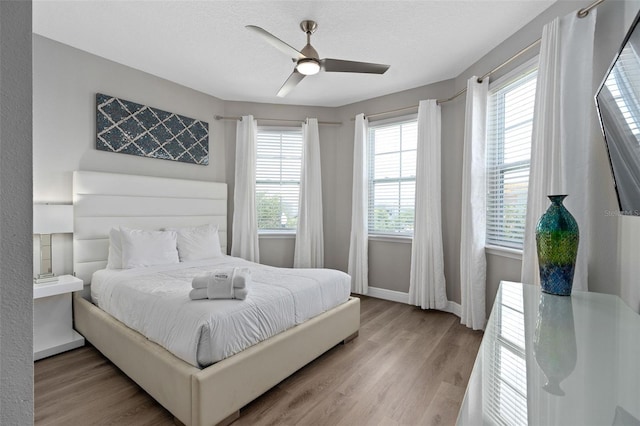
x: 50, y: 219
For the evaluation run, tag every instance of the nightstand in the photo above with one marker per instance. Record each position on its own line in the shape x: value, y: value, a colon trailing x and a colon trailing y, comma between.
x: 52, y: 321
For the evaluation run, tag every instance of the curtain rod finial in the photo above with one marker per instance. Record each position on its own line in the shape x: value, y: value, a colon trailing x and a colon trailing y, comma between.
x: 584, y: 12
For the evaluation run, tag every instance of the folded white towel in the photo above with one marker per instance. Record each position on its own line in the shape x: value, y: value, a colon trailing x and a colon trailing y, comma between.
x: 242, y: 278
x: 238, y: 277
x: 202, y: 293
x: 198, y: 293
x: 232, y: 283
x: 240, y: 293
x: 202, y: 280
x: 220, y: 288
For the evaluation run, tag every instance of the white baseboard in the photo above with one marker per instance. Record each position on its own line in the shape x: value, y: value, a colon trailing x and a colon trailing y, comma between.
x: 392, y: 295
x: 402, y: 297
x: 454, y: 308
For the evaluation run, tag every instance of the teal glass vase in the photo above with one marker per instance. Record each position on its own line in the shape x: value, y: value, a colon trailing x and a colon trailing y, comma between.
x: 557, y: 238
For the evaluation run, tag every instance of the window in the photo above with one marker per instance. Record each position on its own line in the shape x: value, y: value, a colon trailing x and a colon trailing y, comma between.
x: 509, y: 127
x: 392, y: 176
x: 278, y: 166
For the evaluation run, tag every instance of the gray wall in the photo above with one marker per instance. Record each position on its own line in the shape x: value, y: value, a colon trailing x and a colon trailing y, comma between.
x: 278, y: 250
x: 389, y: 261
x: 613, y: 20
x: 65, y: 82
x: 16, y: 291
x: 500, y: 267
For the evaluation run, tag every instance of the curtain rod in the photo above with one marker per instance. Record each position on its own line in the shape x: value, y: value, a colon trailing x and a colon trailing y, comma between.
x: 238, y: 118
x: 581, y: 14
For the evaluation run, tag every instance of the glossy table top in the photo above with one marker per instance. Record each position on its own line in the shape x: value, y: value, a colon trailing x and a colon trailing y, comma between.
x: 556, y: 360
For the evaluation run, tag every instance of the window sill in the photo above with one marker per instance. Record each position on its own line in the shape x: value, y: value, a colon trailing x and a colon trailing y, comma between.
x: 277, y: 235
x: 504, y: 252
x: 391, y: 238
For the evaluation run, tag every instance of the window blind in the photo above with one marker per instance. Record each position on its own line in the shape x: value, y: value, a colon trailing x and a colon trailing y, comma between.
x: 509, y: 128
x: 392, y: 177
x: 278, y: 167
x: 624, y: 85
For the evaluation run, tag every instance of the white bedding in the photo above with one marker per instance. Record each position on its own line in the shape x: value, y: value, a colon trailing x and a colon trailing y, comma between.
x: 155, y: 302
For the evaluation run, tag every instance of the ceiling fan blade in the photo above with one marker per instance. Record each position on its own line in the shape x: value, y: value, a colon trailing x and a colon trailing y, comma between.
x: 339, y: 65
x: 291, y: 82
x: 276, y: 42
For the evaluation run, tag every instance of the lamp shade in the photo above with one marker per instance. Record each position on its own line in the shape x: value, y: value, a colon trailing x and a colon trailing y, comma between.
x: 52, y: 218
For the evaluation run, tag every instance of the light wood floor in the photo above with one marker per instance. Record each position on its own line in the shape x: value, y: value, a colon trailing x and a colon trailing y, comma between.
x: 407, y: 367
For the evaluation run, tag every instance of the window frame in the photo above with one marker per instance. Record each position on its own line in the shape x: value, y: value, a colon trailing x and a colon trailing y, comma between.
x: 532, y: 65
x: 375, y: 234
x: 280, y: 232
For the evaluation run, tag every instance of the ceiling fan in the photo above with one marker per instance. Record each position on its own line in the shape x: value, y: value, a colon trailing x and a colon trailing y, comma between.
x: 307, y: 60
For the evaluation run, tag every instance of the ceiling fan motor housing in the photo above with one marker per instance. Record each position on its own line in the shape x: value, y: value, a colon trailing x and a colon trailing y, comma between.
x: 310, y: 52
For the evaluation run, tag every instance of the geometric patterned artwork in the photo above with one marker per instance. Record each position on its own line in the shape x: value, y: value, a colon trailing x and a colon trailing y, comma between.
x: 130, y: 128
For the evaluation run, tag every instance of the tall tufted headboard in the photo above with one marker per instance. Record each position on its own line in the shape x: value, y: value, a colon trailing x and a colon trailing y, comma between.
x: 104, y: 200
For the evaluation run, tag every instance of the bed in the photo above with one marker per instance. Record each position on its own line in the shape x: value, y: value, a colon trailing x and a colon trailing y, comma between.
x: 195, y: 396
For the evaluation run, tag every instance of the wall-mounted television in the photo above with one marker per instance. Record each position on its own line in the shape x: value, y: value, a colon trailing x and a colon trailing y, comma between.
x: 618, y: 103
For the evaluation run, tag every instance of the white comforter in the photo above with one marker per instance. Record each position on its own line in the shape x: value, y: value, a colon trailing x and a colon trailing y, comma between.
x: 155, y: 302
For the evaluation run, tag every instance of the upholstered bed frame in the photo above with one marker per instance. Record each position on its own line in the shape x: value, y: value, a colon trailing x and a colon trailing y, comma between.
x: 194, y: 396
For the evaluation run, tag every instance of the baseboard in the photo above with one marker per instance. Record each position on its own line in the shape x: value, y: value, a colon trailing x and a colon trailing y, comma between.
x: 392, y: 295
x: 454, y: 308
x: 402, y: 297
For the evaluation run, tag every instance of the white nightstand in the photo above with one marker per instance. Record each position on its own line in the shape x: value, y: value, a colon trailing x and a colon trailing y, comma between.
x: 52, y: 321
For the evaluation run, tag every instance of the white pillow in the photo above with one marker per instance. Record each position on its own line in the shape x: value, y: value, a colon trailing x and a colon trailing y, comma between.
x: 200, y: 242
x: 148, y: 248
x: 115, y: 249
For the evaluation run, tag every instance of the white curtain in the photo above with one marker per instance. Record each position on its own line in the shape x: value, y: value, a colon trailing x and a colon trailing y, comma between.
x: 560, y: 153
x: 309, y: 250
x: 358, y: 248
x: 427, y: 287
x: 473, y: 263
x: 244, y: 241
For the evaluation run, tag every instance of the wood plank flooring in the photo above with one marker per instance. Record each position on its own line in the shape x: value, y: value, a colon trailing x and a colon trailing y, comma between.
x: 407, y: 367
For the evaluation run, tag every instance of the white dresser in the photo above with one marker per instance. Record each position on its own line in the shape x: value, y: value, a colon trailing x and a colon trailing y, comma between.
x: 553, y: 360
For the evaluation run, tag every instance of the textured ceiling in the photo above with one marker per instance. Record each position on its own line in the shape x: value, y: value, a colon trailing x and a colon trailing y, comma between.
x: 204, y: 44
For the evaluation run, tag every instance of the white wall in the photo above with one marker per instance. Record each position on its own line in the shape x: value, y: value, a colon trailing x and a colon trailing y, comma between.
x: 16, y: 291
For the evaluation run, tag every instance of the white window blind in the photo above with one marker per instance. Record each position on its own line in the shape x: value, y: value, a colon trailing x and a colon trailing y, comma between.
x: 392, y: 176
x: 278, y: 166
x: 509, y: 128
x: 624, y: 85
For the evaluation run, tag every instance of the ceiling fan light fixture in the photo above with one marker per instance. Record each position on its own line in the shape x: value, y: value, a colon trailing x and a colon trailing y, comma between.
x: 308, y: 66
